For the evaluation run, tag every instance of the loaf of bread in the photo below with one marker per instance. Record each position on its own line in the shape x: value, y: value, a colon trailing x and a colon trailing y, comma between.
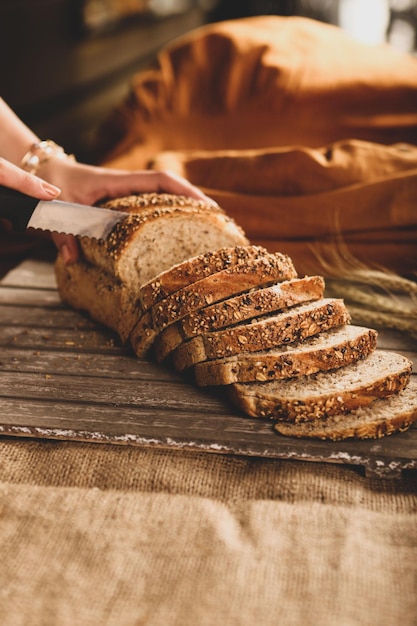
x: 292, y: 325
x: 327, y: 351
x: 180, y: 277
x: 247, y: 267
x: 304, y: 398
x: 385, y: 416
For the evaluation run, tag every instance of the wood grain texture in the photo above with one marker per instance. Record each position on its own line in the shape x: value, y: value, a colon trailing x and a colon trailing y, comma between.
x: 64, y: 377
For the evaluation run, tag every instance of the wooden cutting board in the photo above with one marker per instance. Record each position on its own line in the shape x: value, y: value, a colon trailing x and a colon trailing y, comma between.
x: 65, y: 377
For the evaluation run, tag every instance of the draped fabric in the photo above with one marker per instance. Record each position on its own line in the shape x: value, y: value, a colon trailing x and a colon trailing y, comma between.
x: 305, y: 136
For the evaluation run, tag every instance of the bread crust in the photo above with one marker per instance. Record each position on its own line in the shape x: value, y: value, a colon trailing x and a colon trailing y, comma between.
x: 328, y: 351
x: 263, y: 333
x: 255, y: 267
x: 197, y: 268
x: 143, y: 335
x: 277, y: 400
x: 266, y: 269
x: 237, y: 309
x: 149, y: 211
x: 145, y: 202
x: 382, y: 417
x: 87, y: 288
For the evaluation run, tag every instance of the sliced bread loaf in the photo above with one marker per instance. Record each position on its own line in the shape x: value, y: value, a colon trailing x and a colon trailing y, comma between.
x: 327, y: 351
x: 262, y: 333
x: 382, y: 417
x: 256, y: 267
x: 257, y: 301
x: 304, y: 398
x: 160, y: 230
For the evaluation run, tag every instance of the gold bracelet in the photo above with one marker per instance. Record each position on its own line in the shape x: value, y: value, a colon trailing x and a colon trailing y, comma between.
x: 41, y: 152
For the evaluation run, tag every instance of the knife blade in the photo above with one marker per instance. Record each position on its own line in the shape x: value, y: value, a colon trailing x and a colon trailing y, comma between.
x: 81, y: 220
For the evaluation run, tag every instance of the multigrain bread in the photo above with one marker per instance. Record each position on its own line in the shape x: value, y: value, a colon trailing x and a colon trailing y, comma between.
x: 264, y: 269
x: 195, y: 268
x: 106, y: 299
x: 237, y: 309
x: 262, y: 333
x: 304, y: 398
x: 182, y: 272
x: 253, y: 266
x: 384, y: 416
x: 160, y: 231
x: 327, y: 351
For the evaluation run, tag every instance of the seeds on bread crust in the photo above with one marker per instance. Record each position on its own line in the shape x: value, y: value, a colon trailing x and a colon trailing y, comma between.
x: 237, y: 309
x: 382, y: 417
x: 139, y: 202
x: 263, y: 333
x: 330, y: 350
x: 264, y: 270
x: 194, y: 269
x: 312, y: 397
x: 157, y: 234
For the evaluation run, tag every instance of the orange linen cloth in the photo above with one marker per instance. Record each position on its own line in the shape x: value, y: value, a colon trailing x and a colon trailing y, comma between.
x: 296, y: 129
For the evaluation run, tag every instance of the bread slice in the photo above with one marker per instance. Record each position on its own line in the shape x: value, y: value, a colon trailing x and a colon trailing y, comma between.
x: 160, y: 230
x: 262, y: 333
x: 193, y: 269
x: 237, y: 309
x: 312, y: 397
x: 253, y: 266
x: 382, y: 417
x: 327, y: 351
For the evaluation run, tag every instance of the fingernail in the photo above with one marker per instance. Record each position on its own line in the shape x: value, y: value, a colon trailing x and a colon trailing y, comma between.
x: 51, y: 190
x: 65, y: 253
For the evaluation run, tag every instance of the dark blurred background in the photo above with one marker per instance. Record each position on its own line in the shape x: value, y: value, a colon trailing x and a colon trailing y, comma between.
x: 66, y: 63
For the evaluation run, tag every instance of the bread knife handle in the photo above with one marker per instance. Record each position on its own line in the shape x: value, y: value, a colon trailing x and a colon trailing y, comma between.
x: 16, y: 207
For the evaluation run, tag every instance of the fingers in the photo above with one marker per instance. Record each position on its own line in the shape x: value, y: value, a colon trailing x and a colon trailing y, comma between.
x: 171, y: 183
x: 122, y: 182
x: 67, y: 246
x: 12, y: 176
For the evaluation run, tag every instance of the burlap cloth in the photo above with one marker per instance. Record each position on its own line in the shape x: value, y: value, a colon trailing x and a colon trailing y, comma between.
x: 106, y: 535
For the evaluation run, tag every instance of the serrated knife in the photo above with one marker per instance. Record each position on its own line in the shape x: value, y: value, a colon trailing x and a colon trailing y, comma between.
x: 56, y: 216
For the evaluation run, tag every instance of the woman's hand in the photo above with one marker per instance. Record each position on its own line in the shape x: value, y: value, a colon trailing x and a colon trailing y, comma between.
x: 12, y: 176
x: 87, y: 184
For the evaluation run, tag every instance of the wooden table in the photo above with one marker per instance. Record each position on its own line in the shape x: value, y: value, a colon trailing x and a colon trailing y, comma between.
x: 65, y: 377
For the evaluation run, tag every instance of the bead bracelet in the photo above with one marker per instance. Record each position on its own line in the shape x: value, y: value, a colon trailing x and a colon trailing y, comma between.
x: 41, y: 152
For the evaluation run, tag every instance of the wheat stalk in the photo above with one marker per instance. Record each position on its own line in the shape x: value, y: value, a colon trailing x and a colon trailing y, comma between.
x: 375, y: 296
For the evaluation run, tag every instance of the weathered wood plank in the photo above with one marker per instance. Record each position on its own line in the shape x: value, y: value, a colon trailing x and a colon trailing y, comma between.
x: 83, y: 364
x: 220, y: 432
x: 41, y: 316
x: 32, y: 273
x: 101, y: 341
x: 111, y: 392
x: 34, y: 297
